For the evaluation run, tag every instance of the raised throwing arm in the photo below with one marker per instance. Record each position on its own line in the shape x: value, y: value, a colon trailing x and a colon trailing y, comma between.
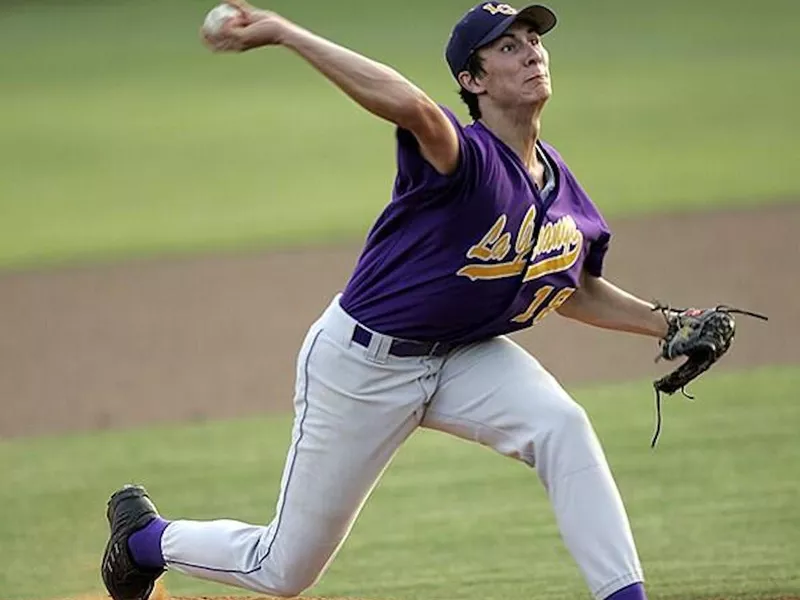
x: 378, y: 88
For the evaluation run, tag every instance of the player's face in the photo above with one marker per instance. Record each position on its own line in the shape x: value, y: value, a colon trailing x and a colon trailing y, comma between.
x: 517, y: 68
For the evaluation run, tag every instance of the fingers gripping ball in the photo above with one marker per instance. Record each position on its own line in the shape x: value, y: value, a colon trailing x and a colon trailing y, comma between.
x: 702, y: 336
x: 217, y: 17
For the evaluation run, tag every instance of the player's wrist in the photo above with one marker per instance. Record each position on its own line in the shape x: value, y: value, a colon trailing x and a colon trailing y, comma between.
x: 665, y: 320
x: 293, y: 36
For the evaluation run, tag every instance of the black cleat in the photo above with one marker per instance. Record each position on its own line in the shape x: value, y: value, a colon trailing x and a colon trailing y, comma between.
x: 129, y: 510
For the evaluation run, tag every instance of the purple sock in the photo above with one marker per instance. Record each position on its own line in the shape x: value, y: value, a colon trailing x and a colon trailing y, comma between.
x: 632, y: 592
x: 145, y: 544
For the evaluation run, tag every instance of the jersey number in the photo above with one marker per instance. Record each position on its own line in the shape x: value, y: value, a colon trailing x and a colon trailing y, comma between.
x: 542, y: 294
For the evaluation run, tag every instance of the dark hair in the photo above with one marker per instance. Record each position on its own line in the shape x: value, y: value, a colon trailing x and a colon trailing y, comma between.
x: 474, y: 67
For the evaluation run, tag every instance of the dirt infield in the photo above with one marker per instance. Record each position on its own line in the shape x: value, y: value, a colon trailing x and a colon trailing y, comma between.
x: 198, y: 338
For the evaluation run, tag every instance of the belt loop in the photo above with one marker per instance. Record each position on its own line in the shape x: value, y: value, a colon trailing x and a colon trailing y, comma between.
x: 384, y: 345
x: 378, y: 349
x: 372, y: 348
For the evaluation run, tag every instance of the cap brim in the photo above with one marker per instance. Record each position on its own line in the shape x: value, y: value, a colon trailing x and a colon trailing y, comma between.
x: 542, y: 18
x: 538, y: 15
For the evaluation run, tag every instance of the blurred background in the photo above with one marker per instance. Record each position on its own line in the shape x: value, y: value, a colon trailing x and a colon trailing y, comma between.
x: 171, y: 221
x: 122, y: 135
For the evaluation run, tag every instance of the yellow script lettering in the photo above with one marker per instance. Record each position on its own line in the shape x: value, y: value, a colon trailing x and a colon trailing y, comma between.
x: 554, y: 264
x: 489, y: 248
x: 525, y: 236
x: 498, y: 271
x: 562, y: 236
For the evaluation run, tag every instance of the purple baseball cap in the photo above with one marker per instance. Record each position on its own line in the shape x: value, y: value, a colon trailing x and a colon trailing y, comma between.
x: 485, y: 23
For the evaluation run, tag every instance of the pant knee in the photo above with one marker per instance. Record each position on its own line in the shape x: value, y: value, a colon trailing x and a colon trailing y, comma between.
x: 289, y: 591
x: 560, y: 423
x: 543, y: 433
x: 290, y: 580
x: 571, y: 419
x: 567, y: 442
x: 286, y: 587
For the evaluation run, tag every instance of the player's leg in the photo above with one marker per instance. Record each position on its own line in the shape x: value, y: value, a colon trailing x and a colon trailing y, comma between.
x: 354, y: 407
x: 497, y: 394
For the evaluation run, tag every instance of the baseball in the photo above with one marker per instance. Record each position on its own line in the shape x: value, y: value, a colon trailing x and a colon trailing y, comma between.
x: 217, y: 17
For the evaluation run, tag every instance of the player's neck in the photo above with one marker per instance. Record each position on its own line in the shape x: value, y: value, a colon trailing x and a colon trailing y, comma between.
x: 517, y: 129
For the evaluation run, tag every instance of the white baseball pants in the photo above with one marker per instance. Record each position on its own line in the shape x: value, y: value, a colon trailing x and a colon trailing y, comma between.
x: 355, y: 406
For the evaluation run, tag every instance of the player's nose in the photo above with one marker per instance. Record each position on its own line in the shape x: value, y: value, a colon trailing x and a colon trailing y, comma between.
x: 533, y: 54
x: 532, y: 58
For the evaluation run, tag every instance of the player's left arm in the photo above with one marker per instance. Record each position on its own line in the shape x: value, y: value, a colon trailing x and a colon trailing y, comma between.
x: 600, y: 303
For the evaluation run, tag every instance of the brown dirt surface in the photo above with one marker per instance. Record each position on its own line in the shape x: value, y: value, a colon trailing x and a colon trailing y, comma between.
x: 179, y: 339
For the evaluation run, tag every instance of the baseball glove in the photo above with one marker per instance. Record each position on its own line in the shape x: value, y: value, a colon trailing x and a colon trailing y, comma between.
x: 703, y: 336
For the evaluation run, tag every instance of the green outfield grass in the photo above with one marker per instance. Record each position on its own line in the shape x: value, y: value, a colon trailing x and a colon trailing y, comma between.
x: 714, y: 508
x: 121, y: 135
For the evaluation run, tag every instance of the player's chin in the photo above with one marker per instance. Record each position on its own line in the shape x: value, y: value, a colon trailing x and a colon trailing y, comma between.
x: 538, y: 95
x: 537, y: 89
x: 544, y: 87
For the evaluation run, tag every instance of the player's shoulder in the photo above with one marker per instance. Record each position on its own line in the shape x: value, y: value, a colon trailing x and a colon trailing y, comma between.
x: 474, y: 138
x: 450, y: 113
x: 466, y: 126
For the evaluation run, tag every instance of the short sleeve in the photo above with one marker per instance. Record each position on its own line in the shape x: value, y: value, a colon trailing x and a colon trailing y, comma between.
x: 597, y: 255
x: 415, y: 175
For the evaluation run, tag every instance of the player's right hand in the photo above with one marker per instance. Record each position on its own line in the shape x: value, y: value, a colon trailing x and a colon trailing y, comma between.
x: 253, y: 28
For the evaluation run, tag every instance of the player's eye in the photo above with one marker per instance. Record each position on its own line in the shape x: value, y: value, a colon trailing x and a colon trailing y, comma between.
x: 506, y: 48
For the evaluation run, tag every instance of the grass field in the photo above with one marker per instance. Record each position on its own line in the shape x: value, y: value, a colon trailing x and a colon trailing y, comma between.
x: 121, y: 135
x: 714, y: 508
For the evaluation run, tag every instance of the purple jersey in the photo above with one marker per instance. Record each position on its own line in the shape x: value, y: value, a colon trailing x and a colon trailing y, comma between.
x: 453, y: 259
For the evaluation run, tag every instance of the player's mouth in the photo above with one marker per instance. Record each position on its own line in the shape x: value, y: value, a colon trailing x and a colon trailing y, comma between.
x: 537, y: 77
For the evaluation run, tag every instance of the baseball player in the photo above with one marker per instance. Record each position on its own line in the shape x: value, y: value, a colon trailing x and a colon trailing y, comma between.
x: 487, y: 232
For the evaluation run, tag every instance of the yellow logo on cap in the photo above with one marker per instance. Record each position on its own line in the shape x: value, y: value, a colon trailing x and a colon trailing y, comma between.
x: 503, y: 9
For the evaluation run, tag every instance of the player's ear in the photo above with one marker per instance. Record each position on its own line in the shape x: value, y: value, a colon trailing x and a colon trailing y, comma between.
x: 470, y: 83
